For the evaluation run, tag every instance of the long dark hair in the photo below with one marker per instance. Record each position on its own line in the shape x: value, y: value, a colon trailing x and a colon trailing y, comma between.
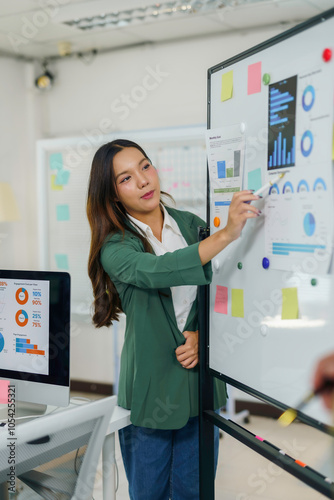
x: 106, y: 216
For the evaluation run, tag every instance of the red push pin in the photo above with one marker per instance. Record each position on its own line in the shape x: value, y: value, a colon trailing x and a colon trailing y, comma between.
x: 327, y: 55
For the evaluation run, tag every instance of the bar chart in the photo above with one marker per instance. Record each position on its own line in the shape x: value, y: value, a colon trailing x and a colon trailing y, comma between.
x: 281, y: 157
x: 233, y: 170
x: 25, y: 346
x: 282, y: 118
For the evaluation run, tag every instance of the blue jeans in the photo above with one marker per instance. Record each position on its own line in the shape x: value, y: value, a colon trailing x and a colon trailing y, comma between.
x: 163, y: 464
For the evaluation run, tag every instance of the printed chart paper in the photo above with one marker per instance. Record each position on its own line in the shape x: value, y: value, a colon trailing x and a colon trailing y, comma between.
x: 225, y: 152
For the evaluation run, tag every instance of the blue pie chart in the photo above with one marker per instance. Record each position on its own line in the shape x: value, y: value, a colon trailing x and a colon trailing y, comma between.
x: 309, y: 224
x: 2, y: 342
x: 307, y: 143
x: 308, y: 97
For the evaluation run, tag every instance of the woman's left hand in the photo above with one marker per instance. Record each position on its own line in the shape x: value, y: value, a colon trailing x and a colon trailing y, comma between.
x: 187, y: 353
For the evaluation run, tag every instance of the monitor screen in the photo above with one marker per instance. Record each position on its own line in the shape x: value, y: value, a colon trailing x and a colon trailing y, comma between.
x: 35, y: 334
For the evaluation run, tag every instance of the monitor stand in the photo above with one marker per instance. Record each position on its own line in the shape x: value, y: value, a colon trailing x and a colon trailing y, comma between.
x: 23, y: 409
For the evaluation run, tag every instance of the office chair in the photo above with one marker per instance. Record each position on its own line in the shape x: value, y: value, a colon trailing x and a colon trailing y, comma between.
x: 57, y: 434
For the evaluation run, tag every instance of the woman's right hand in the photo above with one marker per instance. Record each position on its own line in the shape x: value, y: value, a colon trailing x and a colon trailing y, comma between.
x: 324, y: 372
x: 239, y: 212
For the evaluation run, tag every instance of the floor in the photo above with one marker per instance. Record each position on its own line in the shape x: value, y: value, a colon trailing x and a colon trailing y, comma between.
x: 243, y: 474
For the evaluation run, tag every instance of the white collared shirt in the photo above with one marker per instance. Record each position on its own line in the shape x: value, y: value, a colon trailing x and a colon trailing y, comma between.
x: 172, y: 239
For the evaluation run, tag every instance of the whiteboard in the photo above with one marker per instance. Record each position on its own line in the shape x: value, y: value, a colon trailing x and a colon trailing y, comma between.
x: 63, y: 173
x: 269, y: 326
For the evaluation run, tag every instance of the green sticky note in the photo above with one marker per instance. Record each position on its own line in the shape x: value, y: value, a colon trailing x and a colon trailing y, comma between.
x: 56, y: 161
x: 229, y: 172
x: 237, y: 303
x: 61, y: 261
x: 54, y: 186
x: 63, y: 212
x: 290, y: 307
x: 62, y: 177
x: 227, y: 86
x: 254, y: 179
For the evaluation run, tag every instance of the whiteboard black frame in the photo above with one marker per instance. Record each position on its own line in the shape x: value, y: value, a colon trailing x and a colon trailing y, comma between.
x: 207, y: 417
x: 314, y: 21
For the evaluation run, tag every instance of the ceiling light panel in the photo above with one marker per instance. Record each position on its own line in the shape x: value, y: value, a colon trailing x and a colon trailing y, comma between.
x: 141, y: 13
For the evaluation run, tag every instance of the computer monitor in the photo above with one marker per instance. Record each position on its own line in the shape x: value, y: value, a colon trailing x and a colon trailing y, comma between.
x: 35, y: 335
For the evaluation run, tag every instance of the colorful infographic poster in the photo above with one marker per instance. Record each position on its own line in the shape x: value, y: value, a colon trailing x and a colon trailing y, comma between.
x: 24, y: 326
x: 298, y: 222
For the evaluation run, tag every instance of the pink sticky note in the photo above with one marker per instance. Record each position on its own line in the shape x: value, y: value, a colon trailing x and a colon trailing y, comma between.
x: 4, y: 391
x: 254, y: 78
x: 221, y: 300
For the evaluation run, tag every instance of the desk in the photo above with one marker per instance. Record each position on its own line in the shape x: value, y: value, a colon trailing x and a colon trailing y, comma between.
x: 119, y: 419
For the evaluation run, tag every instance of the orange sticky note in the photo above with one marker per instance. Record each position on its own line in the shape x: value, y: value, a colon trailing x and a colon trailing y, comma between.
x: 4, y: 391
x: 221, y: 299
x: 254, y: 78
x: 227, y: 86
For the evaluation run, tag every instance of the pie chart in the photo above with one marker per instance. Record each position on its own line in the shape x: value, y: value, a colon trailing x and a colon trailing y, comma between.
x: 21, y: 318
x: 308, y: 97
x: 22, y: 296
x: 307, y: 143
x: 2, y: 342
x: 309, y: 224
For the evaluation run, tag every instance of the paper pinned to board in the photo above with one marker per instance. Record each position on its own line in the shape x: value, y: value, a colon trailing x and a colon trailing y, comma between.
x: 63, y: 212
x: 56, y: 161
x: 254, y: 179
x: 61, y: 261
x: 54, y: 186
x: 225, y: 147
x: 62, y: 177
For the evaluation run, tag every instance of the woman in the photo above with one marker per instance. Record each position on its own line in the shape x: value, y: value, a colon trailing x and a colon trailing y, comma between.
x: 145, y: 260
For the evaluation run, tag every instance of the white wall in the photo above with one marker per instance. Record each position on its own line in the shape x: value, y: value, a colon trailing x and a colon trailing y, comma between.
x: 17, y: 138
x: 86, y: 95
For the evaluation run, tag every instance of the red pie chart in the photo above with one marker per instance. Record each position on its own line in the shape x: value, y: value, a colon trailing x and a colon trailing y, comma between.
x: 22, y: 296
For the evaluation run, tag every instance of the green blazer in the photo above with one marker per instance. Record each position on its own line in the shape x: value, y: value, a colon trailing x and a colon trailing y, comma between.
x: 160, y: 393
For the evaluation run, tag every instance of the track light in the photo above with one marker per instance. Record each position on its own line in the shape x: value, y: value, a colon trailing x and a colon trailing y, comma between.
x: 45, y: 80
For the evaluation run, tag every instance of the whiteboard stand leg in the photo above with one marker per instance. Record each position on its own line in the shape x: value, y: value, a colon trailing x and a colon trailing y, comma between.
x: 4, y: 491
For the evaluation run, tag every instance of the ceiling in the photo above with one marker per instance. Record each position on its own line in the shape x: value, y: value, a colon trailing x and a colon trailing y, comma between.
x: 32, y: 29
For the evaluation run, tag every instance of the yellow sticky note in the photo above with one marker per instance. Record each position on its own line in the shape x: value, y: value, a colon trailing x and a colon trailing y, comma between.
x: 237, y: 303
x: 290, y: 307
x: 227, y: 86
x: 54, y: 186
